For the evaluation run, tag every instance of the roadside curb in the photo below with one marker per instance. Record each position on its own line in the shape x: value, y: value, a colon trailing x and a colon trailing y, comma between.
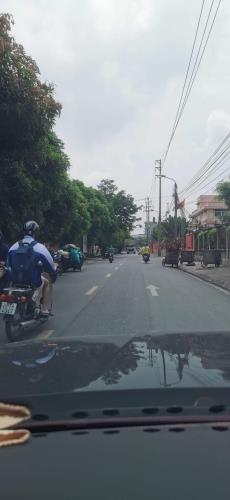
x: 204, y: 278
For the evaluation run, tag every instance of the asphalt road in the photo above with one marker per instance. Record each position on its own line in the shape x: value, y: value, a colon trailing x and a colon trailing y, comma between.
x: 129, y: 297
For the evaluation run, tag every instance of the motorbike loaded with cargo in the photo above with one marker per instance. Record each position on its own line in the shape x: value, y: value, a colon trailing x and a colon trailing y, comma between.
x: 71, y: 258
x: 172, y: 252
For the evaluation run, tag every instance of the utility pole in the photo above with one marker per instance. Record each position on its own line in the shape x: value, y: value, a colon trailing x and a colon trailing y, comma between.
x: 175, y: 196
x: 158, y: 162
x: 147, y: 211
x: 175, y: 208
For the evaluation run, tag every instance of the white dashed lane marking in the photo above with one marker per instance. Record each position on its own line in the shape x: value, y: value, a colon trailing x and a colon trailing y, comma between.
x: 108, y: 275
x: 92, y: 290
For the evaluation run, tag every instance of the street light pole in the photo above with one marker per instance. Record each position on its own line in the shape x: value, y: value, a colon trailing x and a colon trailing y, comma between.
x: 175, y: 202
x: 147, y: 210
x: 159, y: 215
x: 175, y: 208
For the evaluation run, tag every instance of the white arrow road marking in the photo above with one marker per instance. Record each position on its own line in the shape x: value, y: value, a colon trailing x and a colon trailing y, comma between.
x: 153, y: 290
x: 92, y: 290
x: 108, y: 275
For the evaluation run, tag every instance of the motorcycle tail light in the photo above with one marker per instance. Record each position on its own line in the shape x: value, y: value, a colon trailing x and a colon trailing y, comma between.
x: 9, y: 298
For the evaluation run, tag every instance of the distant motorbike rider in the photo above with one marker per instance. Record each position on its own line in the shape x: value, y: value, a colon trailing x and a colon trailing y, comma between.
x: 24, y: 260
x: 110, y: 251
x: 146, y: 251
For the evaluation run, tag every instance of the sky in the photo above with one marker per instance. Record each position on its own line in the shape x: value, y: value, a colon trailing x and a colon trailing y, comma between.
x: 118, y: 67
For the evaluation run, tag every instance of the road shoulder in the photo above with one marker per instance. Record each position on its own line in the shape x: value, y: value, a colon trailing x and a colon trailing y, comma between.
x: 216, y: 276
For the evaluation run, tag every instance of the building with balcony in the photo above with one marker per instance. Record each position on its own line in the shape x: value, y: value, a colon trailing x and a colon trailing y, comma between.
x: 209, y: 212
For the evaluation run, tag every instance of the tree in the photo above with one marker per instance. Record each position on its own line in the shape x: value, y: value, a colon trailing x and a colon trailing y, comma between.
x: 27, y: 106
x: 107, y: 187
x: 100, y: 218
x: 124, y: 210
x: 32, y: 160
x: 168, y: 228
x: 223, y: 191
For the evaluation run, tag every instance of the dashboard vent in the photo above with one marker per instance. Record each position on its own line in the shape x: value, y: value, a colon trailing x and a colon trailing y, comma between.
x: 80, y: 414
x: 150, y: 411
x: 111, y: 412
x: 217, y: 408
x: 175, y: 409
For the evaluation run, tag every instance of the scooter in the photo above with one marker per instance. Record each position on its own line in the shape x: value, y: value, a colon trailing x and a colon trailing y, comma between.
x: 111, y: 257
x: 146, y: 258
x: 57, y: 258
x: 20, y: 312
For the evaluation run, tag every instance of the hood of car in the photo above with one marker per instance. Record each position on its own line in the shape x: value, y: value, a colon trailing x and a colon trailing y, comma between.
x: 115, y: 363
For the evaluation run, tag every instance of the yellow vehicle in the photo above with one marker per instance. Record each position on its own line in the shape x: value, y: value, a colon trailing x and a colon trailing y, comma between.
x: 145, y: 250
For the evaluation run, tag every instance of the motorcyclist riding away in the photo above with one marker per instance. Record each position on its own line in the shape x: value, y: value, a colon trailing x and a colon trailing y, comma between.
x: 145, y: 250
x: 32, y: 273
x: 110, y: 251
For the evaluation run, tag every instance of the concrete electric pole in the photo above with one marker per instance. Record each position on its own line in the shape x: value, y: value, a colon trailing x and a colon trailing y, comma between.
x: 147, y: 211
x: 175, y: 196
x: 175, y: 207
x: 158, y: 162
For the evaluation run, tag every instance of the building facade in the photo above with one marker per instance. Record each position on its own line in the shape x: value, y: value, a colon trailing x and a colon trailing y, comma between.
x: 209, y: 212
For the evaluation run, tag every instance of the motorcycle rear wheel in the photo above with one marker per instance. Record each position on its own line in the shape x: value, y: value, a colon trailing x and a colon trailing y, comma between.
x: 13, y: 328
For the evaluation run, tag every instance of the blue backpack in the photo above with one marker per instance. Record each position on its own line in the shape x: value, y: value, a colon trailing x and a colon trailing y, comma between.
x: 22, y: 264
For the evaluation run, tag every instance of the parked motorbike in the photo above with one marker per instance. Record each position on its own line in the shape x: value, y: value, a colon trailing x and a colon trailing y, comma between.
x: 19, y: 310
x: 69, y: 261
x: 145, y: 258
x: 57, y: 258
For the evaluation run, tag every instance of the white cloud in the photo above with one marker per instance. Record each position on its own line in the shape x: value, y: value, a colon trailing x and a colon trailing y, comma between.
x: 218, y: 125
x: 125, y: 19
x: 96, y: 176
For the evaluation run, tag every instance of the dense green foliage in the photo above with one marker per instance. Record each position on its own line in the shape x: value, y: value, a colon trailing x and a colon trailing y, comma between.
x: 223, y: 191
x: 34, y: 167
x: 168, y: 228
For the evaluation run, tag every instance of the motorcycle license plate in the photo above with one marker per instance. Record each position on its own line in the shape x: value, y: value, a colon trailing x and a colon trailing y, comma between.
x: 6, y: 308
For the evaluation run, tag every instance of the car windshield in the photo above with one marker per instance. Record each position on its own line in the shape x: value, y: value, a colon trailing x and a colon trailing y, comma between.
x: 114, y: 198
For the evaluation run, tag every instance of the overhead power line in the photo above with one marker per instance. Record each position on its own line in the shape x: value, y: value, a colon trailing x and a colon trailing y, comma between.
x: 195, y: 69
x: 212, y: 165
x: 212, y: 180
x: 193, y: 202
x: 184, y: 84
x: 184, y: 98
x: 189, y: 64
x: 205, y: 167
x: 210, y: 169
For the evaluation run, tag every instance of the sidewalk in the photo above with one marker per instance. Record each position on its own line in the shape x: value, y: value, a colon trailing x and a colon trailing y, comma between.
x: 219, y: 276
